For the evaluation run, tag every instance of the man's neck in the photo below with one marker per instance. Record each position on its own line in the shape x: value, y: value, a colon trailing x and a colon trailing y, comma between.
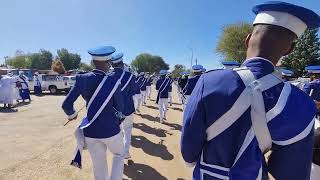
x: 260, y: 53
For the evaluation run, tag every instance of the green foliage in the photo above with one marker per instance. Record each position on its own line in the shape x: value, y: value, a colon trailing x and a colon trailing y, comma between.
x: 305, y: 53
x: 178, y: 68
x: 85, y: 67
x: 20, y: 60
x: 232, y: 42
x: 41, y: 60
x: 71, y: 61
x: 149, y: 63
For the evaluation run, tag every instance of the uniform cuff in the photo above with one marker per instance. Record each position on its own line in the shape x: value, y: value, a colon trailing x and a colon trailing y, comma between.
x: 72, y: 116
x: 190, y: 164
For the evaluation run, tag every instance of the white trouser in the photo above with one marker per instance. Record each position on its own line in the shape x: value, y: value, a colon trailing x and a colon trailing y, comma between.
x: 144, y: 96
x: 315, y: 172
x: 149, y: 91
x: 137, y: 101
x: 127, y: 126
x: 98, y: 152
x: 185, y: 101
x: 179, y: 94
x: 170, y: 98
x: 163, y: 106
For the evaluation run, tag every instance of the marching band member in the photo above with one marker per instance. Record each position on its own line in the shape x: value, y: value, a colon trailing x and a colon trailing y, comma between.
x: 182, y: 83
x: 101, y: 127
x: 312, y: 88
x: 286, y: 74
x: 138, y: 94
x: 24, y: 90
x: 162, y: 86
x: 37, y: 84
x: 143, y: 88
x: 149, y: 82
x: 170, y: 90
x: 230, y: 64
x: 234, y: 116
x: 128, y: 90
x: 197, y: 71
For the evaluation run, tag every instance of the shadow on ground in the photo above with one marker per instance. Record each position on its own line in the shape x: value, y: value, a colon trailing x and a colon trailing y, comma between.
x: 149, y: 117
x: 150, y: 130
x: 151, y: 107
x: 158, y: 150
x: 176, y: 103
x: 177, y: 109
x: 8, y: 110
x: 22, y: 104
x: 173, y: 126
x: 138, y: 171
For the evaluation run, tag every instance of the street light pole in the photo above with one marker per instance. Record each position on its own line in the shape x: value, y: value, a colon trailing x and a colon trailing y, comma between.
x: 191, y: 56
x: 6, y: 60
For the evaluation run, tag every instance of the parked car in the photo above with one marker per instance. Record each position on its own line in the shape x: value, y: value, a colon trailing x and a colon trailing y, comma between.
x: 55, y: 83
x: 69, y: 81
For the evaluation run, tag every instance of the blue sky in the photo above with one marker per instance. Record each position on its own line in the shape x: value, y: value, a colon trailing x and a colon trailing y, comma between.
x: 162, y: 27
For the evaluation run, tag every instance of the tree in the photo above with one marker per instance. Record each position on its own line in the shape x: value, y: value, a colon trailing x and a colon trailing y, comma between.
x: 149, y: 63
x: 85, y: 67
x: 70, y: 60
x: 57, y: 66
x: 232, y: 42
x: 178, y: 68
x: 41, y: 60
x: 20, y: 60
x: 305, y: 53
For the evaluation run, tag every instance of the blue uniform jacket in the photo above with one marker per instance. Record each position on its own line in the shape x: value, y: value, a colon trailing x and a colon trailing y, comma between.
x: 127, y: 90
x: 143, y: 86
x: 164, y: 91
x: 107, y: 124
x: 183, y: 82
x: 315, y: 86
x: 290, y: 114
x: 190, y: 85
x: 138, y: 83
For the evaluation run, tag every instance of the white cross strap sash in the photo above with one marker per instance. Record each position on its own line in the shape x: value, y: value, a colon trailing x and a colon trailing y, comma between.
x: 127, y: 83
x: 99, y: 100
x: 252, y: 97
x: 164, y: 85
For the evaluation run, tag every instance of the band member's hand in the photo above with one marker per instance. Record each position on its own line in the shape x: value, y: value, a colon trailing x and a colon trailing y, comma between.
x: 73, y: 117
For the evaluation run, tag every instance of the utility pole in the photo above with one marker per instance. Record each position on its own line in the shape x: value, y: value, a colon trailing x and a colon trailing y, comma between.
x: 6, y: 60
x: 191, y: 57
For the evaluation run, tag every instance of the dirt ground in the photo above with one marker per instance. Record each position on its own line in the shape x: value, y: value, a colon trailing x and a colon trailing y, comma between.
x: 36, y: 146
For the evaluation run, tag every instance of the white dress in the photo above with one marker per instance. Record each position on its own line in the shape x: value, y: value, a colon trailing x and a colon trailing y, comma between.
x: 7, y: 90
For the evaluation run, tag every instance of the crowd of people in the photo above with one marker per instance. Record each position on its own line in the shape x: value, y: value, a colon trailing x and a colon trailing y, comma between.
x: 232, y: 116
